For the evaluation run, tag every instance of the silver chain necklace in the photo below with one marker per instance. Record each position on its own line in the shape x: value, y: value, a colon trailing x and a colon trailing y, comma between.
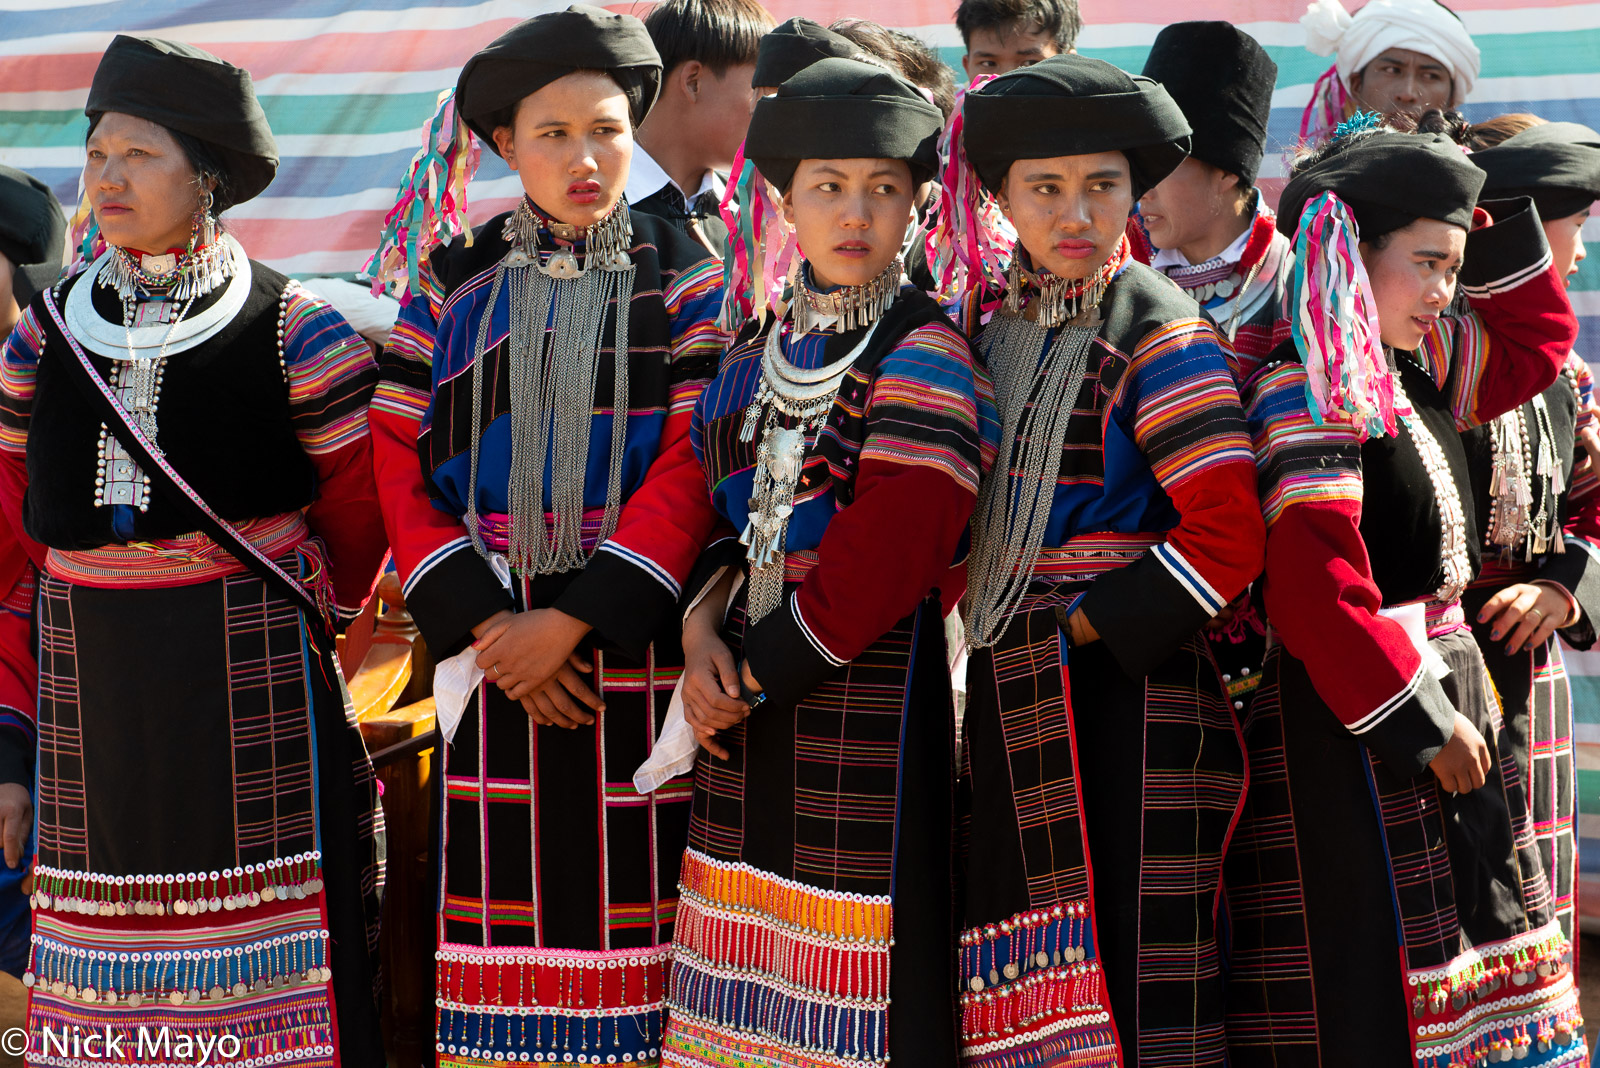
x: 552, y: 353
x: 1036, y: 398
x: 805, y: 397
x: 848, y: 307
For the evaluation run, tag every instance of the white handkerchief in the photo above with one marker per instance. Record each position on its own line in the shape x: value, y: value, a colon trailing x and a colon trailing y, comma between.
x: 455, y: 682
x: 674, y: 750
x: 1413, y: 618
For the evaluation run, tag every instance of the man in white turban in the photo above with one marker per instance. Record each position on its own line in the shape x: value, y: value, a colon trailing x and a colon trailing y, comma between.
x: 1392, y: 57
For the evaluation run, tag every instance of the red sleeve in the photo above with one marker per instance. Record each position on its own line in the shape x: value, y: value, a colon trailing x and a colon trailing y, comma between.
x: 1320, y: 596
x: 331, y: 378
x: 1516, y: 338
x: 449, y: 588
x: 1175, y: 397
x: 19, y: 674
x: 879, y: 557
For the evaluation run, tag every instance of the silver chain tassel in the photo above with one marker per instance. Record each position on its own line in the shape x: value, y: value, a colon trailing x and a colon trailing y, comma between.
x: 197, y: 274
x: 1036, y: 398
x: 1058, y: 299
x: 553, y: 351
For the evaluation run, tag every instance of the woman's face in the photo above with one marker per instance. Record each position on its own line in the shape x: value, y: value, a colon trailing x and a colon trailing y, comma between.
x: 571, y: 143
x: 1414, y: 279
x: 140, y: 183
x: 1566, y: 244
x: 1070, y: 211
x: 850, y: 216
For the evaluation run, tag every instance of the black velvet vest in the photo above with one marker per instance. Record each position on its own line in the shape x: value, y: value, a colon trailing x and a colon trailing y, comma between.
x: 223, y: 422
x: 1400, y: 518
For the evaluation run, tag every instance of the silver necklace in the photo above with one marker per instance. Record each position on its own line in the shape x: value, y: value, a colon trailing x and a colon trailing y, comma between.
x: 804, y: 397
x: 605, y: 244
x: 558, y: 312
x: 1452, y: 516
x: 182, y: 277
x: 137, y: 381
x: 848, y: 307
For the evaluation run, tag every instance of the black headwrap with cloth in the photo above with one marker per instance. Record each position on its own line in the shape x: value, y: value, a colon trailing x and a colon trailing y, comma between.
x: 1071, y: 105
x: 193, y: 92
x: 537, y: 51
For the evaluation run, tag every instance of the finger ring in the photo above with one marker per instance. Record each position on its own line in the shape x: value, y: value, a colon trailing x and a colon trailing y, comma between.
x: 1536, y: 612
x: 497, y: 671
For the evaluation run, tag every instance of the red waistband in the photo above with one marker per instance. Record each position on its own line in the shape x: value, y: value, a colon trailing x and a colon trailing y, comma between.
x: 183, y: 561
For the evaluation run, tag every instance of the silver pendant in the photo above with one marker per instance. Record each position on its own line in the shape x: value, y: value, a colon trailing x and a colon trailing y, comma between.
x: 562, y: 264
x: 785, y: 450
x: 1224, y: 288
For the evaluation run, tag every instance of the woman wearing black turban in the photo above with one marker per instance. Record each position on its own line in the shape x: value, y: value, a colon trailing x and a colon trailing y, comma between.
x: 1386, y: 899
x: 545, y: 508
x: 1538, y: 511
x: 1104, y: 764
x: 842, y: 437
x: 206, y: 815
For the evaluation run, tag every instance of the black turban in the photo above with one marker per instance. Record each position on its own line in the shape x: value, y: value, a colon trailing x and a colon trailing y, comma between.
x: 788, y: 49
x: 1071, y: 105
x: 193, y: 92
x: 1389, y: 180
x: 33, y: 233
x: 1557, y: 164
x: 1222, y: 80
x: 844, y: 109
x: 537, y: 51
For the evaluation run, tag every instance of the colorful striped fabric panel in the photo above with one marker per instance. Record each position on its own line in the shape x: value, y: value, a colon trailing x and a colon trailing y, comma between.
x: 922, y: 409
x: 1179, y: 398
x: 19, y: 373
x: 331, y: 373
x: 1298, y: 459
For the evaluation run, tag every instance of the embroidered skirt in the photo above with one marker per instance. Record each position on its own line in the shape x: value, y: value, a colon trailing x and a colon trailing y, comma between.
x: 208, y: 863
x: 1098, y: 808
x: 559, y: 881
x: 817, y: 884
x: 1536, y: 701
x: 1376, y: 918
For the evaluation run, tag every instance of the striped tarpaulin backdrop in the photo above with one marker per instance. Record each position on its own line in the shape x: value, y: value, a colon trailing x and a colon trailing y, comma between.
x: 347, y: 85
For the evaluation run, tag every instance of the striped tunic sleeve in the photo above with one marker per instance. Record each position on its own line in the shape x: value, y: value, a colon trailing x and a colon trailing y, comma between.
x: 1175, y: 401
x: 331, y: 379
x: 1321, y: 598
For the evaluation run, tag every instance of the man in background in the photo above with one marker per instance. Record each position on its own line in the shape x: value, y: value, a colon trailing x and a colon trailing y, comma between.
x: 1393, y: 57
x: 1002, y: 35
x: 684, y: 149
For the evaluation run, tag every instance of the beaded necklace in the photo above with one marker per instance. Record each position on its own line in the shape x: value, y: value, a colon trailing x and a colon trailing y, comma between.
x: 1453, y: 558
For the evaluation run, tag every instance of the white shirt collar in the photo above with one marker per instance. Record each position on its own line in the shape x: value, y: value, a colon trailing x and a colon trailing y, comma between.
x: 646, y: 178
x: 1171, y: 257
